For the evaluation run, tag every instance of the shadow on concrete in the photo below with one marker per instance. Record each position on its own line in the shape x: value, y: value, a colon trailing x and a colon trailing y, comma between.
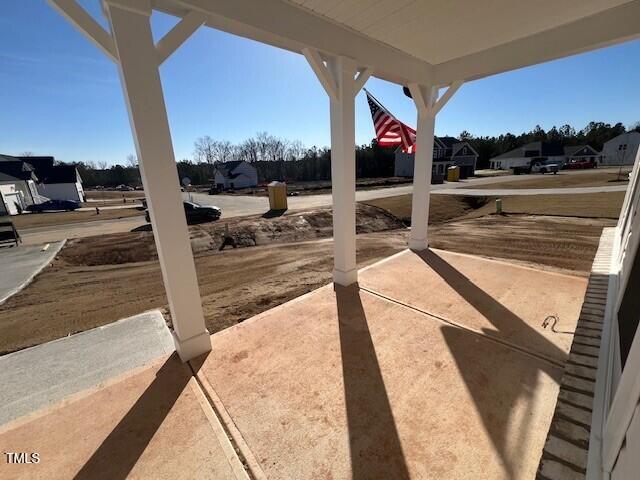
x: 120, y: 451
x: 494, y: 388
x: 375, y: 448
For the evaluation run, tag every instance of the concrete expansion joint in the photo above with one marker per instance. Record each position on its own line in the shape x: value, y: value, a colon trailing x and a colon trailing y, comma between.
x: 441, y: 319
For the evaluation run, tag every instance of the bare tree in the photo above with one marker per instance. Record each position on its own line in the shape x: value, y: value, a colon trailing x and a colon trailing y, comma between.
x: 102, y: 165
x: 295, y: 151
x: 26, y: 154
x: 249, y: 150
x: 204, y: 148
x: 222, y: 151
x: 132, y: 160
x: 263, y: 139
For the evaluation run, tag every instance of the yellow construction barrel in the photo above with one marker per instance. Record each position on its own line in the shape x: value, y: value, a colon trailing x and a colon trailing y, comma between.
x: 453, y: 174
x: 277, y: 195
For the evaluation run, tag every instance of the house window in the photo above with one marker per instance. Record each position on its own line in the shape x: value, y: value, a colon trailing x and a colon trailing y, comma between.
x: 464, y: 151
x: 622, y: 147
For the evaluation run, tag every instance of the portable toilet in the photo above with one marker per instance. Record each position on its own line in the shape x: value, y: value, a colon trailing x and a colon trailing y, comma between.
x: 453, y: 174
x: 277, y: 195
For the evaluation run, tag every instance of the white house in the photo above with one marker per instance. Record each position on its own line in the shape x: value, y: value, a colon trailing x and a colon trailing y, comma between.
x: 621, y: 150
x: 60, y: 182
x: 17, y: 185
x: 551, y: 152
x: 236, y: 174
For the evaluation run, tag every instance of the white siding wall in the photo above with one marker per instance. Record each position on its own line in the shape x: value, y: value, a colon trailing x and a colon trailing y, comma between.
x: 507, y: 163
x: 614, y: 156
x: 248, y: 177
x: 628, y: 464
x: 247, y: 171
x: 13, y: 198
x: 61, y: 191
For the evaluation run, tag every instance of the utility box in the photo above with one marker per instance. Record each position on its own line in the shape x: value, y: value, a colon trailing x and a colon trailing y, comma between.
x: 453, y: 174
x: 277, y: 195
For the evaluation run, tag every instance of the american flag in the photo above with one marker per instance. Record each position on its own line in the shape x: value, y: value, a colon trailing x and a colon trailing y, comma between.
x: 390, y: 131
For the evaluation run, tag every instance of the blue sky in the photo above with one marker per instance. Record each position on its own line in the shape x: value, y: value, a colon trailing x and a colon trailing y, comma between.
x: 60, y: 96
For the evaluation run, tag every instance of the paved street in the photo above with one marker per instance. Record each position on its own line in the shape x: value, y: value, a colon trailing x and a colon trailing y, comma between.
x: 244, y: 205
x: 20, y: 264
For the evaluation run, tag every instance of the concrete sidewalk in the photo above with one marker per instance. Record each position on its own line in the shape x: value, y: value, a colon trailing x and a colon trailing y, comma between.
x: 39, y: 376
x: 19, y: 265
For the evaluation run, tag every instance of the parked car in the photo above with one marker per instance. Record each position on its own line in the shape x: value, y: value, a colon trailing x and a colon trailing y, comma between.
x: 537, y: 166
x: 576, y: 164
x: 544, y: 167
x: 53, y: 205
x: 196, y: 213
x: 124, y: 188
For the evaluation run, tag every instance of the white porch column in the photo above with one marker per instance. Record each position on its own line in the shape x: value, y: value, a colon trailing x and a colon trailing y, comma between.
x: 342, y: 80
x: 343, y: 171
x: 424, y: 98
x: 428, y: 105
x: 138, y: 66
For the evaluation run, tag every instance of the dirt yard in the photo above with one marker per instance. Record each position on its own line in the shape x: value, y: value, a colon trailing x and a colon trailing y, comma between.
x: 448, y: 207
x: 105, y: 195
x: 566, y: 178
x: 98, y: 280
x: 70, y: 296
x: 32, y: 220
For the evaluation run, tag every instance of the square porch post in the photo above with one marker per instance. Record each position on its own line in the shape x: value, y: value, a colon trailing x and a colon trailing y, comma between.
x: 424, y: 98
x: 343, y: 171
x: 138, y: 63
x: 342, y: 80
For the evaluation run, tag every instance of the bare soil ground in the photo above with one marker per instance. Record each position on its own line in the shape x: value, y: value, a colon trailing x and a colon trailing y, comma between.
x: 566, y: 178
x: 98, y: 280
x: 113, y: 195
x: 69, y: 297
x: 562, y: 243
x: 442, y: 208
x: 449, y: 207
x: 32, y: 220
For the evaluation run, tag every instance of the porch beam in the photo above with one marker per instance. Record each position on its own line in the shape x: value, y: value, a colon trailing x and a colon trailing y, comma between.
x: 85, y: 23
x: 186, y: 27
x: 424, y: 98
x: 610, y: 27
x: 140, y: 79
x: 287, y: 26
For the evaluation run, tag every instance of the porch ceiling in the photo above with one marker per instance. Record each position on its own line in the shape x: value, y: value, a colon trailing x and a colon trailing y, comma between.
x: 426, y: 41
x: 437, y: 31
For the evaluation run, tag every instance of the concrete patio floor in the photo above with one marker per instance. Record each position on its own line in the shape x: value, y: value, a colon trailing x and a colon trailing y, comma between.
x: 353, y: 384
x: 436, y: 366
x: 152, y: 423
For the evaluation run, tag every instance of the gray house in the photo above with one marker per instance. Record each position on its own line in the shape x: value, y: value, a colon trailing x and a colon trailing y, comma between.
x: 447, y: 152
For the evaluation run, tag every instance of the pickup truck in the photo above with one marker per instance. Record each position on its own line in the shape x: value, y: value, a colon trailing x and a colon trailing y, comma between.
x: 537, y: 166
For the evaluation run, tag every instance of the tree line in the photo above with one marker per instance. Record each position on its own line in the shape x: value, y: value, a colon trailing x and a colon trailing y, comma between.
x: 281, y: 159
